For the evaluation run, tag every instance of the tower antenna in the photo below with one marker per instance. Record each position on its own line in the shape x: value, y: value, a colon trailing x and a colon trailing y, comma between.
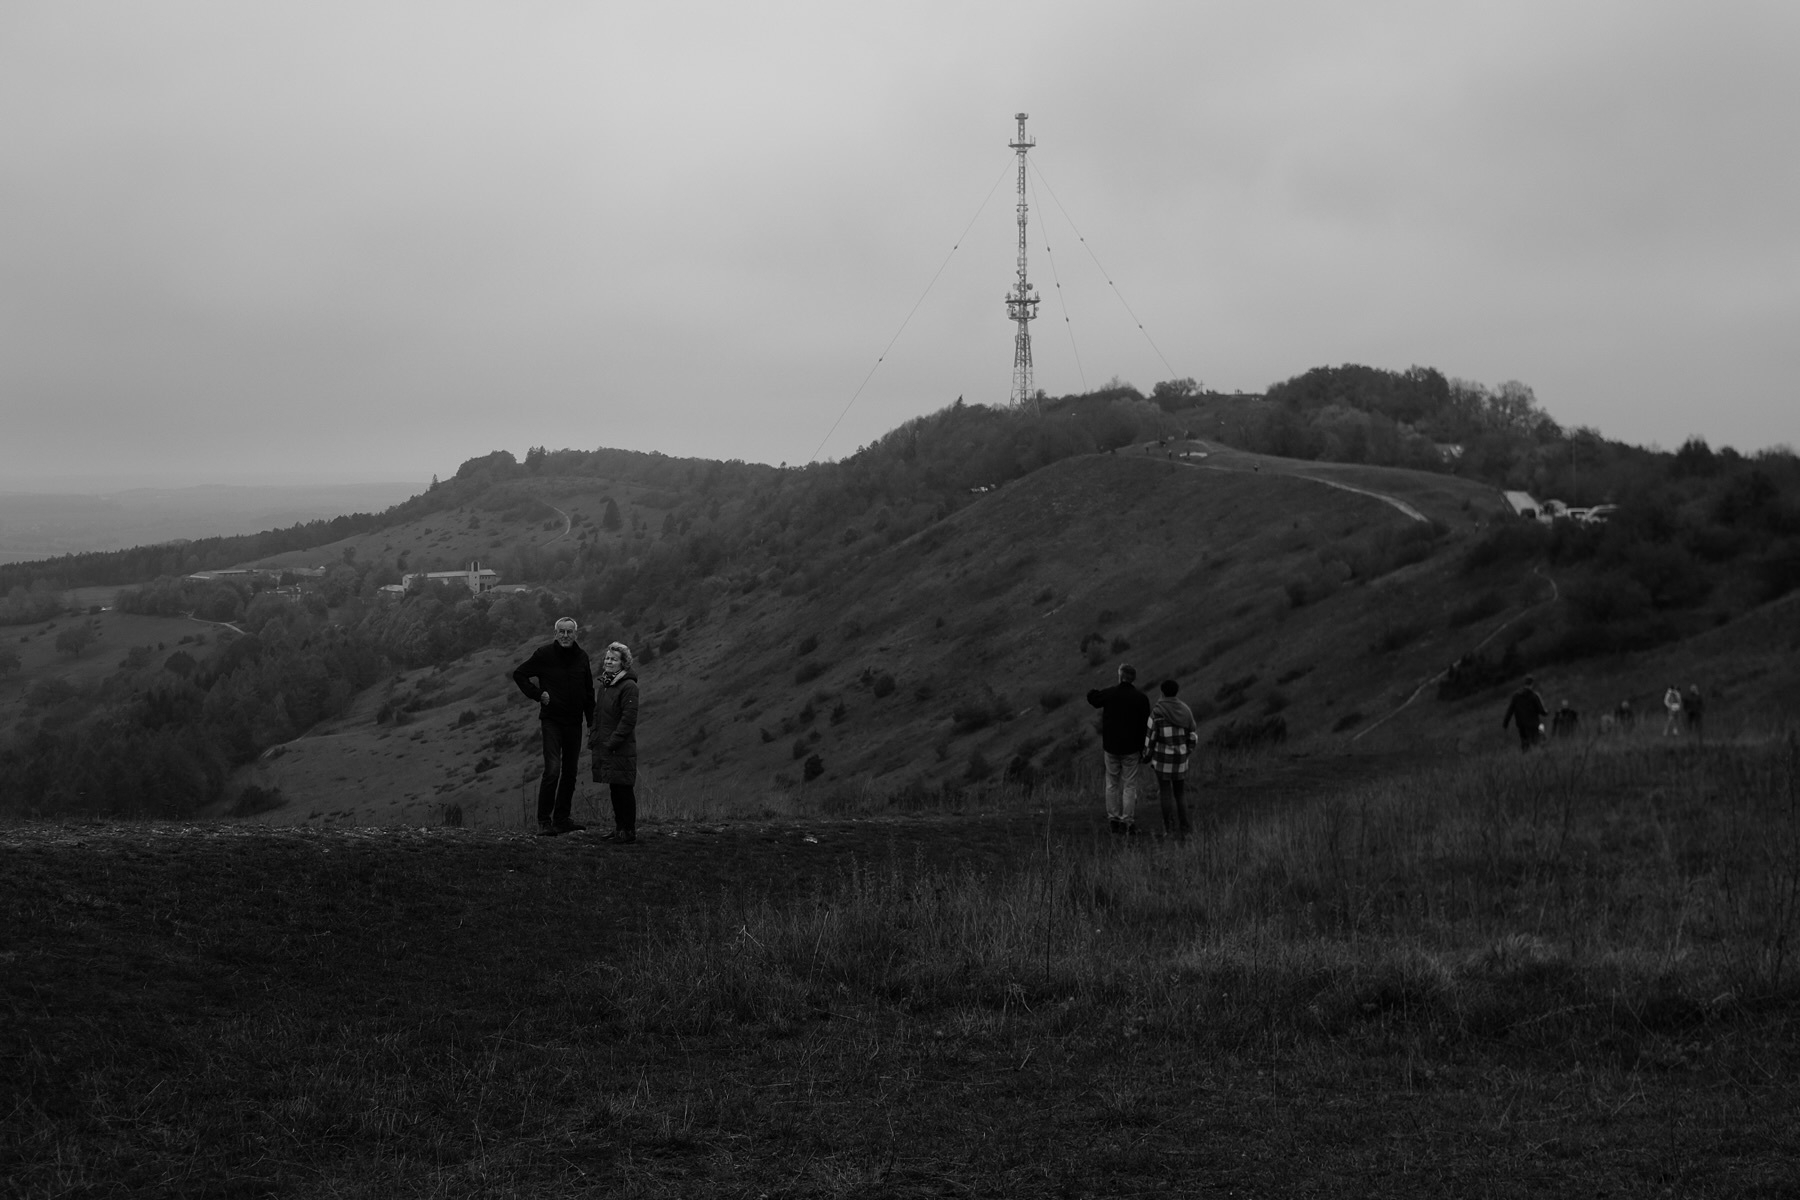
x: 1022, y: 302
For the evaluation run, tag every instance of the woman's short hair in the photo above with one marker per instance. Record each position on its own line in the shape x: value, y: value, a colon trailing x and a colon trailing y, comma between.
x: 624, y: 652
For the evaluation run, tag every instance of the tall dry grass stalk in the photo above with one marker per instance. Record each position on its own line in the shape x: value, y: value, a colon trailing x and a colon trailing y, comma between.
x: 1502, y: 893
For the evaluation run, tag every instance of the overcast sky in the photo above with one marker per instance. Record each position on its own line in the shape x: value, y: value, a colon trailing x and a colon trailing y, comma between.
x: 368, y: 240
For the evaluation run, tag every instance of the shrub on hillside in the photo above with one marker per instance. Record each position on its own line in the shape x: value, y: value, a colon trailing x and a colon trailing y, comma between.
x: 24, y: 607
x: 1052, y: 699
x: 1778, y: 570
x: 809, y: 671
x: 1480, y: 608
x: 883, y: 686
x: 1509, y: 541
x: 974, y: 714
x: 253, y: 800
x: 1396, y: 635
x: 813, y: 768
x: 1250, y: 735
x: 1232, y: 691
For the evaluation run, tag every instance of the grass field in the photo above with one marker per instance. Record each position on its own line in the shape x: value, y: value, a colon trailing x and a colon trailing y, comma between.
x: 1568, y: 974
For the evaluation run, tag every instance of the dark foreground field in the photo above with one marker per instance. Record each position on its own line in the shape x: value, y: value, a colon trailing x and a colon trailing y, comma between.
x: 1507, y: 979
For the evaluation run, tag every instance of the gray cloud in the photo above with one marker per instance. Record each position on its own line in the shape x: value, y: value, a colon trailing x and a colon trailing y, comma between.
x: 374, y: 239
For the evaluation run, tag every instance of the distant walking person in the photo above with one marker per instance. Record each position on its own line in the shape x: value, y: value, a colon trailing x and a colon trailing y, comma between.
x: 1672, y: 706
x: 1527, y: 709
x: 1695, y: 708
x: 1123, y: 713
x: 1563, y: 723
x: 560, y: 679
x: 1169, y: 738
x: 615, y: 740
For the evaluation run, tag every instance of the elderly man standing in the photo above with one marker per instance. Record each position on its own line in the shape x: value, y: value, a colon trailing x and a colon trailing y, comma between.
x: 1124, y: 713
x: 560, y: 679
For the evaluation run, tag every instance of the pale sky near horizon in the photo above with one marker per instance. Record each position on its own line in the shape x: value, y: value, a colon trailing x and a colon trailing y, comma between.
x: 333, y: 241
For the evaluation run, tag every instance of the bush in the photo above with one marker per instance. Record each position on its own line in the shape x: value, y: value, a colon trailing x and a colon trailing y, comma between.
x: 1232, y: 692
x: 883, y: 686
x: 1395, y: 636
x: 1251, y: 735
x: 1051, y: 699
x: 807, y: 645
x: 809, y: 672
x: 1480, y: 608
x: 814, y: 768
x: 254, y: 799
x: 972, y: 715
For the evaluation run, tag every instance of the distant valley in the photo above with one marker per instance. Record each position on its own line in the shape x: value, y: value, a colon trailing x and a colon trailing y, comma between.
x: 36, y: 525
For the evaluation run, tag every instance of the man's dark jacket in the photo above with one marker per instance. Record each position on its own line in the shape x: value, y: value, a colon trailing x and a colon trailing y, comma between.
x: 1527, y: 708
x: 569, y: 678
x: 1124, y: 717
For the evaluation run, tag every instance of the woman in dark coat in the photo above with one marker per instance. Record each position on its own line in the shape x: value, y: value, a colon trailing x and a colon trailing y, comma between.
x: 615, y: 739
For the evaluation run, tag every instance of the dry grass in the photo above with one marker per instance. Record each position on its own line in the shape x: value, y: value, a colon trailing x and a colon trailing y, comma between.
x: 1509, y: 977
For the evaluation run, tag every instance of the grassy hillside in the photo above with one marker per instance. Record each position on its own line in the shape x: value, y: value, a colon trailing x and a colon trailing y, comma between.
x: 920, y: 619
x: 958, y: 658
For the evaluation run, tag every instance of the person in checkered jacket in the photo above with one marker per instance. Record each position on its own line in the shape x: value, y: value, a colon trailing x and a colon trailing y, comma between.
x: 1170, y: 736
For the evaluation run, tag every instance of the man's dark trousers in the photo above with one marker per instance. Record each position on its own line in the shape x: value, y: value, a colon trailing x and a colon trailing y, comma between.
x: 562, y: 758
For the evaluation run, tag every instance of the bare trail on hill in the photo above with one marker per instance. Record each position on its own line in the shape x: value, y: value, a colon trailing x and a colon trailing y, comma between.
x: 1293, y: 473
x: 568, y: 524
x: 1552, y: 598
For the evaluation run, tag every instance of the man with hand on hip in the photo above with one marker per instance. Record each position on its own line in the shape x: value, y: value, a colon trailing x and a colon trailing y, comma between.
x: 560, y: 679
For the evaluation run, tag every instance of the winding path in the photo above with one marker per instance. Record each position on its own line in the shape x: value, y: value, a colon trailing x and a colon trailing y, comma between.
x: 1292, y: 473
x: 1497, y: 631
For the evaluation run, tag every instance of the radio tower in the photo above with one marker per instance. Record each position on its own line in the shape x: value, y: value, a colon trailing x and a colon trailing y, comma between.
x: 1022, y: 302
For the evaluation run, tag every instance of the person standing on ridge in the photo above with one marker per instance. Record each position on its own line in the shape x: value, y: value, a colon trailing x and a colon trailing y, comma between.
x: 1695, y: 708
x: 1672, y: 706
x: 1169, y: 738
x: 1527, y: 708
x: 560, y: 678
x: 1123, y: 713
x: 615, y: 740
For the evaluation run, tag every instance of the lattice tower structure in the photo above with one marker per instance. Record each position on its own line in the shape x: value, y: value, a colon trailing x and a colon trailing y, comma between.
x: 1022, y: 302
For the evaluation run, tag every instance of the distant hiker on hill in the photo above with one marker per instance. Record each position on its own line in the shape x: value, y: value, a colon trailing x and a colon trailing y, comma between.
x: 615, y: 740
x: 1123, y: 713
x: 1672, y: 706
x: 1169, y: 738
x: 1695, y: 709
x: 560, y: 679
x: 1563, y: 724
x: 1526, y: 708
